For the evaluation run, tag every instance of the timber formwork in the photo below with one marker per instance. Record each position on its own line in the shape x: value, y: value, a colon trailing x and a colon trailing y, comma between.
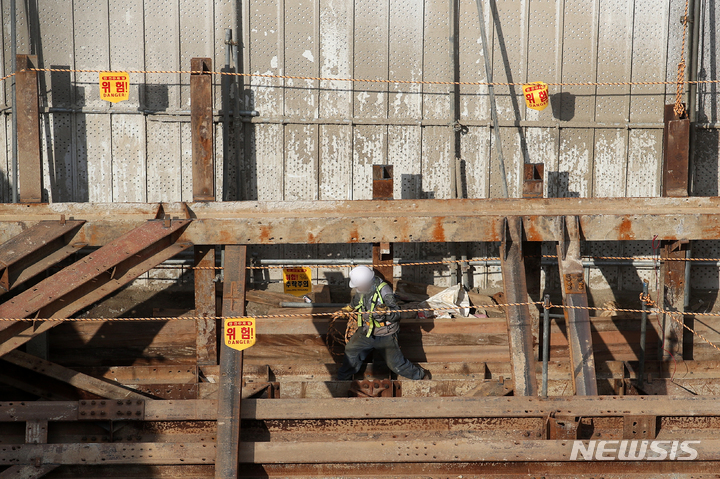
x: 149, y: 397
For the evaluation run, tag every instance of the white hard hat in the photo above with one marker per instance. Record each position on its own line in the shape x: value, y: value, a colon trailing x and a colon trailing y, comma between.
x: 361, y: 276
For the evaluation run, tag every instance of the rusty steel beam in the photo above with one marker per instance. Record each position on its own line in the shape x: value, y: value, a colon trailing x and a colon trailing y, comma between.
x: 88, y: 280
x: 28, y: 130
x: 519, y: 321
x: 382, y: 253
x: 574, y: 292
x: 101, y: 387
x: 231, y: 367
x: 27, y: 472
x: 201, y: 126
x: 676, y: 153
x: 404, y: 221
x: 35, y: 250
x: 673, y: 297
x: 206, y: 330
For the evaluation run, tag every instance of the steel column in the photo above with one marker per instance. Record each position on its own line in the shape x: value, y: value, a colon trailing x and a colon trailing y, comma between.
x: 672, y: 294
x: 231, y: 367
x: 676, y: 153
x: 519, y: 321
x: 205, y: 305
x: 383, y: 190
x: 201, y: 125
x: 28, y: 130
x: 574, y: 293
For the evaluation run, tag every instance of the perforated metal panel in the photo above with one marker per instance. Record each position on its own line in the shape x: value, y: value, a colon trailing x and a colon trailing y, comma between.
x: 92, y: 50
x: 5, y: 174
x: 514, y: 159
x: 708, y: 102
x: 223, y: 18
x: 368, y: 149
x: 404, y: 154
x: 406, y: 60
x: 186, y: 161
x: 58, y: 157
x: 610, y: 169
x: 267, y: 55
x: 705, y: 163
x: 436, y: 162
x: 579, y: 60
x: 301, y: 158
x: 336, y: 58
x: 57, y: 46
x: 510, y: 53
x: 94, y: 157
x: 371, y: 58
x: 128, y: 162
x: 474, y: 102
x: 648, y: 61
x: 644, y: 163
x: 543, y: 52
x: 614, y: 60
x: 572, y: 177
x: 163, y: 162
x: 335, y: 162
x: 436, y: 60
x: 196, y: 27
x: 475, y: 151
x: 269, y: 145
x: 542, y: 143
x: 301, y: 57
x: 162, y: 29
x: 127, y: 44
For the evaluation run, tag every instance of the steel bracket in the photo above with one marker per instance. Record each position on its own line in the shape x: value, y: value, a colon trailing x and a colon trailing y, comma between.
x: 574, y: 283
x: 110, y: 409
x: 558, y: 427
x: 639, y: 427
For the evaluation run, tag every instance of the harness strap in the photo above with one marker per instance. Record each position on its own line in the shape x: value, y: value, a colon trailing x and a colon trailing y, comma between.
x: 377, y: 296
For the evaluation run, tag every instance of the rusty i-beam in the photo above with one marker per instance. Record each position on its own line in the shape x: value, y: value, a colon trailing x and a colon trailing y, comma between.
x: 519, y: 321
x: 577, y: 316
x: 28, y: 130
x: 231, y: 366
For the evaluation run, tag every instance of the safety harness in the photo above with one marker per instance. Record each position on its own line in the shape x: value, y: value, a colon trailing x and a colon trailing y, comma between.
x: 377, y: 296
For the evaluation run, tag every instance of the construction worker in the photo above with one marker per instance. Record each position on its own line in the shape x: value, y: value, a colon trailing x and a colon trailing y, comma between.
x: 377, y: 327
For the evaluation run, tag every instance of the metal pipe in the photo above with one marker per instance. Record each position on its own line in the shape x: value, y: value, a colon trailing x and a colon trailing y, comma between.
x: 643, y: 334
x: 226, y: 110
x: 291, y: 304
x: 237, y: 121
x: 546, y: 344
x: 13, y: 54
x: 694, y: 48
x: 493, y: 104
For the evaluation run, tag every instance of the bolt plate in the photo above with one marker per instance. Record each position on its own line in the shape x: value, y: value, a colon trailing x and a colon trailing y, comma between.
x: 111, y: 409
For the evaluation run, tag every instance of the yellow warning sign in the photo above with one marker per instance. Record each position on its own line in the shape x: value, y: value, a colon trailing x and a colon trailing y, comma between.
x: 239, y: 333
x: 114, y: 86
x: 536, y: 95
x: 297, y: 281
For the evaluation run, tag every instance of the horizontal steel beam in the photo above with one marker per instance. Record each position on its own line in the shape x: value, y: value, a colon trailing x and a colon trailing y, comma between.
x: 293, y: 452
x: 397, y: 408
x: 399, y: 221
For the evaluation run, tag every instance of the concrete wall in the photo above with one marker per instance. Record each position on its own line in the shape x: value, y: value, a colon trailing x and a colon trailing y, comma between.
x: 318, y: 139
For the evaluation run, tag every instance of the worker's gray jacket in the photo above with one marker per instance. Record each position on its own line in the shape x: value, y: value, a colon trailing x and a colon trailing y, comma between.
x: 391, y: 319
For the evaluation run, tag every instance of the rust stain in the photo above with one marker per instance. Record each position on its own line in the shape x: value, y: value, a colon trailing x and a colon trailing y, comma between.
x: 532, y: 233
x: 438, y: 231
x: 265, y: 234
x: 625, y: 231
x: 354, y: 236
x: 310, y: 238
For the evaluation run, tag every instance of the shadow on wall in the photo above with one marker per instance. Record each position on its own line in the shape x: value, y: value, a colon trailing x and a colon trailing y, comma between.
x: 563, y: 106
x: 559, y: 185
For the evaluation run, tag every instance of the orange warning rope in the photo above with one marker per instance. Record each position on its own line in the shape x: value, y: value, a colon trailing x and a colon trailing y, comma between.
x: 368, y: 80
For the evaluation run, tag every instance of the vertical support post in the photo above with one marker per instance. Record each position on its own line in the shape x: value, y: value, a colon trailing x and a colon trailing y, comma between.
x: 533, y: 180
x: 201, y: 125
x: 643, y: 335
x: 231, y: 366
x: 205, y: 306
x: 676, y: 154
x: 672, y: 271
x: 572, y: 279
x: 546, y: 344
x: 383, y: 190
x: 519, y: 321
x: 28, y: 129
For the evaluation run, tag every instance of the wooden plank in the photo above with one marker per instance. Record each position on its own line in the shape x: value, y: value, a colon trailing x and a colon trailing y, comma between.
x: 82, y: 381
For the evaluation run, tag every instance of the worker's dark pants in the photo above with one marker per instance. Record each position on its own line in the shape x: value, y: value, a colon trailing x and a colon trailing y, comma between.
x: 359, y: 346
